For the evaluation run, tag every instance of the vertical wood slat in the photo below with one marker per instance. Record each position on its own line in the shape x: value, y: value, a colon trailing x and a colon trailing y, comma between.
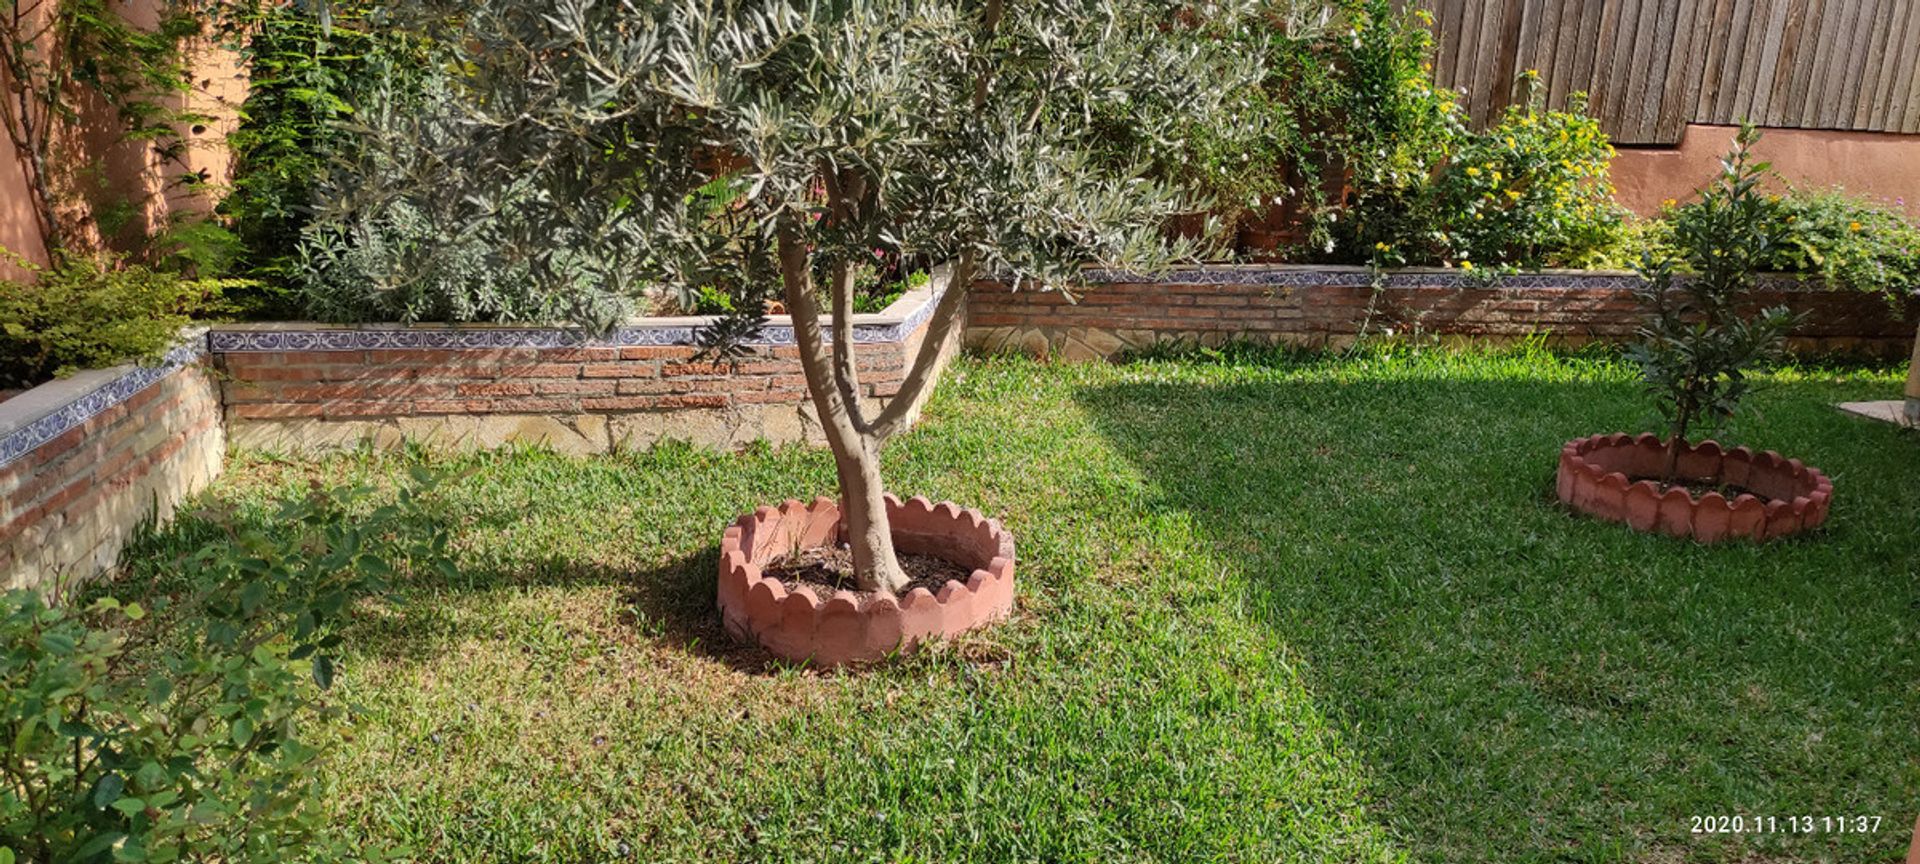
x: 1716, y: 60
x: 1786, y: 65
x: 1733, y: 62
x: 1650, y: 87
x: 1884, y: 79
x: 1682, y: 72
x: 1864, y: 71
x: 1759, y: 92
x: 1905, y: 71
x: 1651, y: 67
x: 1844, y: 79
x: 1910, y: 81
x: 1566, y: 47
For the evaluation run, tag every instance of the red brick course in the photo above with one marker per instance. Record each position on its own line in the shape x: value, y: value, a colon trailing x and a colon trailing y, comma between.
x: 385, y: 383
x: 1575, y: 313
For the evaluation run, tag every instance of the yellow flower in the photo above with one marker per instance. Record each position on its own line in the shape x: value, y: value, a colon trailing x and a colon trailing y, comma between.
x: 1669, y: 203
x: 1853, y: 226
x: 1466, y: 265
x: 1380, y: 246
x: 1472, y: 171
x: 1514, y: 194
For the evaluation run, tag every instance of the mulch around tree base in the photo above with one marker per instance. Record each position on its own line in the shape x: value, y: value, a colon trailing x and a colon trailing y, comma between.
x: 829, y: 569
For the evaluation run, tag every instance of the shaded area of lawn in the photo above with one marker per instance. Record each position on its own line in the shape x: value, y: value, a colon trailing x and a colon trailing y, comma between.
x: 1259, y: 621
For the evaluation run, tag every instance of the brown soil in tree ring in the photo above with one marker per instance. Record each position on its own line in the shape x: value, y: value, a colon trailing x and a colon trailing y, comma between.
x: 785, y: 581
x: 830, y: 569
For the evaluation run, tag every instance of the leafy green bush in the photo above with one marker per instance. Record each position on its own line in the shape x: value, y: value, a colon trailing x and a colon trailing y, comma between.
x: 1396, y: 127
x: 1848, y: 242
x: 86, y: 312
x: 400, y: 256
x: 309, y: 66
x: 1531, y: 192
x: 1700, y: 338
x: 195, y: 730
x: 1344, y: 94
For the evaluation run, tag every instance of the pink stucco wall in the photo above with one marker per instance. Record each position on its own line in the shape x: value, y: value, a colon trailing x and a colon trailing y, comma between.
x: 1880, y: 166
x: 132, y: 170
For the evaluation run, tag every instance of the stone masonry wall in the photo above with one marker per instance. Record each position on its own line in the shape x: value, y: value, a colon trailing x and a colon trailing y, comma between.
x: 90, y: 458
x: 1331, y: 306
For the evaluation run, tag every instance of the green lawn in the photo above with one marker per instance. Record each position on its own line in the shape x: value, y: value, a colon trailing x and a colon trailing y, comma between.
x: 1271, y: 609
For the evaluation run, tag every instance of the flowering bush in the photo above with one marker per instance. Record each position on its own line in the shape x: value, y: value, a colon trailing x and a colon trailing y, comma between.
x: 1530, y: 192
x: 1849, y: 242
x: 1397, y: 127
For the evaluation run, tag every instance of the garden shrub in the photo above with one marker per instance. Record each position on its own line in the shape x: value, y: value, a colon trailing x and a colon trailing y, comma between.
x: 1848, y: 242
x: 399, y: 257
x: 1700, y: 337
x: 309, y: 66
x: 1396, y: 126
x: 91, y: 311
x: 1344, y: 94
x: 195, y: 729
x: 1531, y: 192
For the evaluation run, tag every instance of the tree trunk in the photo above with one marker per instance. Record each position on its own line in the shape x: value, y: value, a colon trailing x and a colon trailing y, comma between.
x: 856, y: 449
x: 1676, y: 439
x: 863, y: 505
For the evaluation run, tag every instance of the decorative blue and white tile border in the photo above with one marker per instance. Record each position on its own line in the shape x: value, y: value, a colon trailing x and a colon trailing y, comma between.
x: 892, y: 327
x: 93, y: 401
x: 1307, y: 276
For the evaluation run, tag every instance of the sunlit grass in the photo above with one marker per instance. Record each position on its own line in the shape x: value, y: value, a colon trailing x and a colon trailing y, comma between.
x: 1272, y: 608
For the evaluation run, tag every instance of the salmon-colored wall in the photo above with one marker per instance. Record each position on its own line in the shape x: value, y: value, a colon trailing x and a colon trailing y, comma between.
x: 132, y: 171
x: 1879, y: 166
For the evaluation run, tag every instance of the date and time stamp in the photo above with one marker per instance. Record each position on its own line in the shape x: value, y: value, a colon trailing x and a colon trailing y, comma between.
x: 1784, y: 823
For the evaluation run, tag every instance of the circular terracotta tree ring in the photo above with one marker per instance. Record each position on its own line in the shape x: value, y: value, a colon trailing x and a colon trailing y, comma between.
x: 851, y: 627
x: 1605, y: 476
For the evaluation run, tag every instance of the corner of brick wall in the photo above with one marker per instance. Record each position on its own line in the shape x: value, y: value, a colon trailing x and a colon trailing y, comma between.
x: 69, y: 506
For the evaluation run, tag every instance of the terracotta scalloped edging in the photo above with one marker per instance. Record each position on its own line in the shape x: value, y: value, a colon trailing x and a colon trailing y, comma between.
x: 1595, y: 478
x: 849, y: 627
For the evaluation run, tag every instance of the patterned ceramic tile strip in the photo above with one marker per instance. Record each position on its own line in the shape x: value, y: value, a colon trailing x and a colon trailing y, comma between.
x: 23, y: 440
x: 481, y: 338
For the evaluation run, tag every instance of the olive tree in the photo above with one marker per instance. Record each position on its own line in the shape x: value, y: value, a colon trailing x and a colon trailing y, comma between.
x: 773, y: 144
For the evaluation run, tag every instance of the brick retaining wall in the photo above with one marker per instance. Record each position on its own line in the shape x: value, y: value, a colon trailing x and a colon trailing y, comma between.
x: 1330, y: 306
x: 303, y: 388
x: 85, y: 460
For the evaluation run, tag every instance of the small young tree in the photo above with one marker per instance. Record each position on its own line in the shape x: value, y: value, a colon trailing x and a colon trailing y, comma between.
x: 953, y: 130
x: 1701, y: 335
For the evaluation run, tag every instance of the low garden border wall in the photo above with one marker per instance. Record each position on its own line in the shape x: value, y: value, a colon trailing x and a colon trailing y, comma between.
x: 85, y: 460
x: 308, y: 387
x: 1327, y: 306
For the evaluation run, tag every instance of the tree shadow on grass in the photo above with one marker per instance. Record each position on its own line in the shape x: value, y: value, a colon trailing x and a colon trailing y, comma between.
x: 669, y: 604
x: 1531, y: 685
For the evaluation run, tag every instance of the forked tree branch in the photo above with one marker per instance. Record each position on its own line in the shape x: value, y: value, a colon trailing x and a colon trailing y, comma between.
x: 941, y: 330
x: 844, y: 428
x: 846, y: 369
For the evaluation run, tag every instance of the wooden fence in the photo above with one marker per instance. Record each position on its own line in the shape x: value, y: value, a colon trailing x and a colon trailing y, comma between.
x: 1652, y: 66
